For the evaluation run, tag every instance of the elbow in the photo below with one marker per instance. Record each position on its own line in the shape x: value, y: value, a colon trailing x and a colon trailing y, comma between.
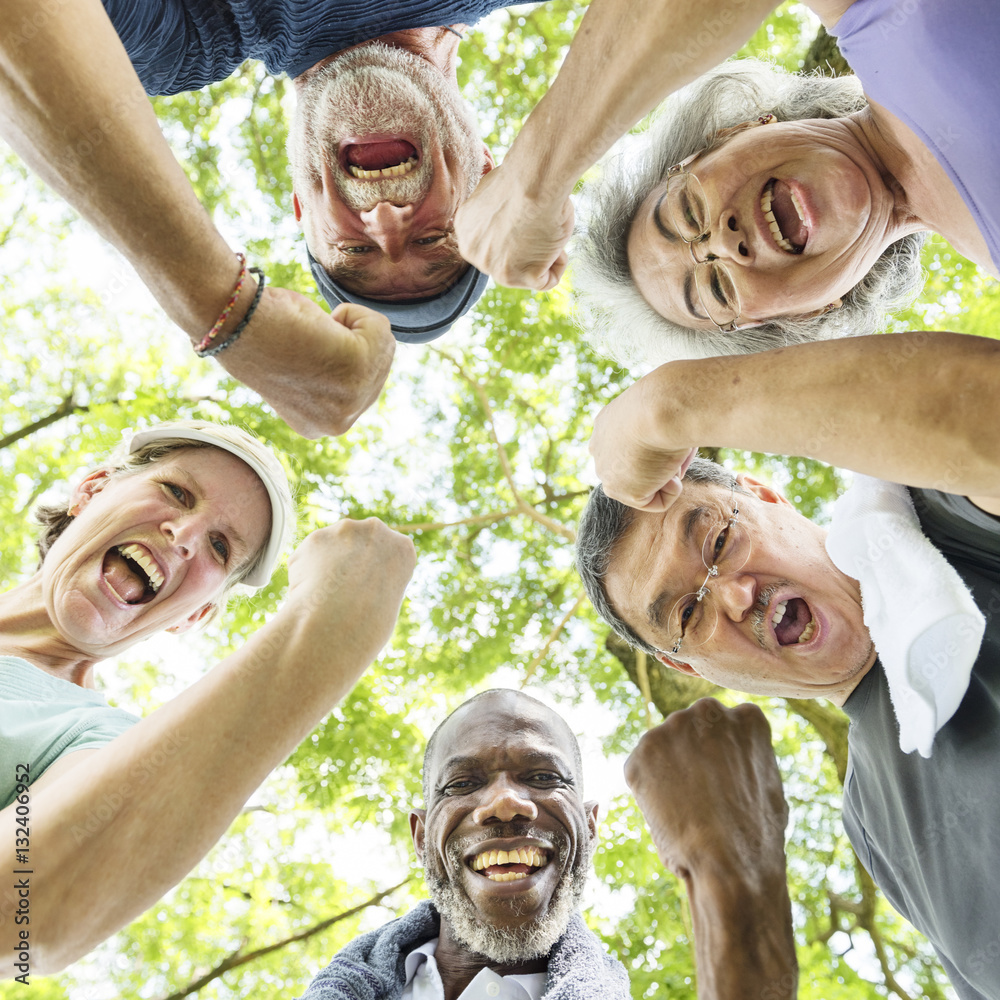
x: 34, y: 955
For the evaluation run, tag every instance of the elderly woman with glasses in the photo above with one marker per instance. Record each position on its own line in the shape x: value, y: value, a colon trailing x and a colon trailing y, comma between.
x: 762, y: 208
x: 106, y: 811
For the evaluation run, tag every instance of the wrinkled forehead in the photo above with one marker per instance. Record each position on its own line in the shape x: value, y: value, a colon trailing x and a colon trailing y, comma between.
x: 503, y: 728
x: 655, y: 535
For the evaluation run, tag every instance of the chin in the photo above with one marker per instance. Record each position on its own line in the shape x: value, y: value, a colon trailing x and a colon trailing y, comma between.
x: 489, y: 935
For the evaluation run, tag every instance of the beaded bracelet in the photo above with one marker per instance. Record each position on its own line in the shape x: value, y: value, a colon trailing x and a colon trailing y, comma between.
x: 210, y: 352
x: 224, y: 315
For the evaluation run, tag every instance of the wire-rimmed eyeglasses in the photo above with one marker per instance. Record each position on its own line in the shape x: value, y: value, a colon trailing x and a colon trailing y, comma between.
x: 725, y: 549
x: 687, y: 206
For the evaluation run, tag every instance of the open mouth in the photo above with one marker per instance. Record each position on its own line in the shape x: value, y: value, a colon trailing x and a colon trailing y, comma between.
x: 378, y: 160
x: 784, y: 216
x: 509, y: 866
x: 132, y: 574
x: 793, y: 622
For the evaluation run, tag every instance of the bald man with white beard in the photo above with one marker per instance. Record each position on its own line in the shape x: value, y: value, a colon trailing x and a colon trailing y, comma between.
x: 506, y: 840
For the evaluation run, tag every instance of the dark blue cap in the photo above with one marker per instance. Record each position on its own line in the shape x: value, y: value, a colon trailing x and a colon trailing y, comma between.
x: 414, y: 322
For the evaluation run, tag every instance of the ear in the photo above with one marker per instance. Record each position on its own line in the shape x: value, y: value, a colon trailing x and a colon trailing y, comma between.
x: 684, y: 668
x: 193, y: 619
x: 762, y: 491
x: 488, y: 162
x: 296, y: 207
x: 591, y: 809
x: 836, y: 304
x: 417, y: 818
x: 727, y: 133
x: 87, y: 489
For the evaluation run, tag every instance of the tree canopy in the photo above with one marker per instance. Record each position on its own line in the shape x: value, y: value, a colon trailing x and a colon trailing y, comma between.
x: 477, y: 449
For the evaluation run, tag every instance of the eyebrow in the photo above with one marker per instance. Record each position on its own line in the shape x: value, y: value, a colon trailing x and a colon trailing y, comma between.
x: 667, y: 234
x: 689, y: 296
x: 363, y: 274
x: 690, y: 521
x: 671, y: 237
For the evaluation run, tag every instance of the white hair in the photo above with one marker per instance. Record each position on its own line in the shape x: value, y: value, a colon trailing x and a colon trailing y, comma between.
x: 613, y: 313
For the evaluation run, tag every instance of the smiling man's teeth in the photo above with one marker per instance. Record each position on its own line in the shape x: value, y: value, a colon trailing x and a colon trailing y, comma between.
x: 139, y: 557
x: 397, y: 171
x: 808, y: 631
x: 765, y: 207
x: 530, y: 856
x: 779, y: 613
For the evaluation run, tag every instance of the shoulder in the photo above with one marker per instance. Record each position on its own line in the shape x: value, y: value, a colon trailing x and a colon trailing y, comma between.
x: 974, y: 520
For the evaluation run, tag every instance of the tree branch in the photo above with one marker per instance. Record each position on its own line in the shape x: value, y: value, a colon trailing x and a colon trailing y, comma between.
x: 551, y: 638
x: 18, y: 212
x: 669, y: 690
x: 508, y: 473
x: 239, y: 957
x: 831, y: 724
x: 642, y: 676
x: 408, y: 529
x: 64, y: 409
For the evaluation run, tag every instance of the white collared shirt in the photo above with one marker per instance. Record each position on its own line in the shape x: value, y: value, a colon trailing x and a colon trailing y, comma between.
x: 423, y: 981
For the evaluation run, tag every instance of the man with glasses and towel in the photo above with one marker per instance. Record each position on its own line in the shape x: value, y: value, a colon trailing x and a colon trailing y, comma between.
x: 892, y: 614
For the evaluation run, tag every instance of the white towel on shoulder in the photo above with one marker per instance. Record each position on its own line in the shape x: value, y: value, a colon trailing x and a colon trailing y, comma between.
x: 922, y: 618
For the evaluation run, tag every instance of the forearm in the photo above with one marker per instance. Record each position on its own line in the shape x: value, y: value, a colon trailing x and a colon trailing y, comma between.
x: 637, y: 54
x: 73, y: 108
x: 127, y: 825
x: 914, y: 408
x: 743, y: 935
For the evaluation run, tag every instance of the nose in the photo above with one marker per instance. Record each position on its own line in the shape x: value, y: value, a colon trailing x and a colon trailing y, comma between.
x: 735, y: 594
x: 182, y: 535
x: 726, y: 239
x: 504, y: 801
x: 389, y: 226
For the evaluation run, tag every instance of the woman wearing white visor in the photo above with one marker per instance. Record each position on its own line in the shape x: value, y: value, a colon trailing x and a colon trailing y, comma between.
x: 111, y: 811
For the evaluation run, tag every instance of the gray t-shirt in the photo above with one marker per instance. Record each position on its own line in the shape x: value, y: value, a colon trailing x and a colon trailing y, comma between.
x: 928, y: 829
x: 43, y: 718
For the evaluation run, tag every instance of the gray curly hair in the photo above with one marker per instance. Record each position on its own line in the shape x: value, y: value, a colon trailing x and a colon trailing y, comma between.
x: 619, y: 321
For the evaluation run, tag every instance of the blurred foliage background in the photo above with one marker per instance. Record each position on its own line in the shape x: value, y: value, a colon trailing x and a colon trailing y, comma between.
x: 477, y: 449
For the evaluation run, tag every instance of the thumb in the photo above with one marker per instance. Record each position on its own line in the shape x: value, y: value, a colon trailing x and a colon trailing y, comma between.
x: 352, y: 315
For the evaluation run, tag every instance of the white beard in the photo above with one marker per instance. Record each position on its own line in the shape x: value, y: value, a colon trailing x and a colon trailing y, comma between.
x: 507, y: 945
x: 373, y: 89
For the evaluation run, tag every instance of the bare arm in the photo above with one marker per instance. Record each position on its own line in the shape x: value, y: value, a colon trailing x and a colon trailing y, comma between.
x: 625, y: 59
x: 73, y: 108
x: 118, y: 827
x: 913, y: 408
x: 708, y: 786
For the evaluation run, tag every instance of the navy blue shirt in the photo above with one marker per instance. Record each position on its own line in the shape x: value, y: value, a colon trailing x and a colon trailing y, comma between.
x: 178, y: 45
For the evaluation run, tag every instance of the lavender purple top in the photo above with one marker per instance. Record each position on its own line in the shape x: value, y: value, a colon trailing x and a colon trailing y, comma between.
x: 933, y: 65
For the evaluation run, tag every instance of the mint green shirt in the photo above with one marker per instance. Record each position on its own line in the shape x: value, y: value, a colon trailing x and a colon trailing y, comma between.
x: 43, y: 718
